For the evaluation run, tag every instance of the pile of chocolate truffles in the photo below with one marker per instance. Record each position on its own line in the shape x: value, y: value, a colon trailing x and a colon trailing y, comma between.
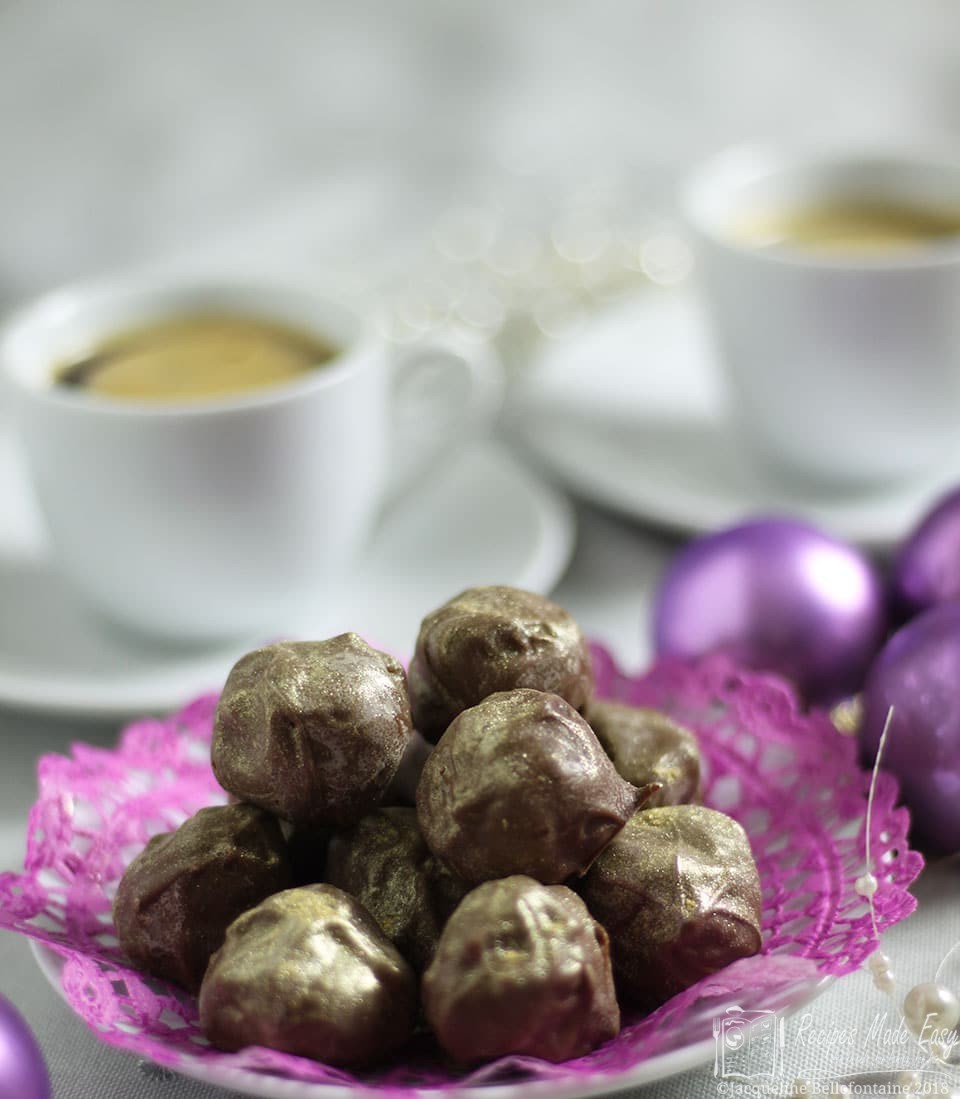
x: 480, y: 848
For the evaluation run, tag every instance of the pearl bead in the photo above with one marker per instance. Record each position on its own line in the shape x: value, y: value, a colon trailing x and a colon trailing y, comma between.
x: 929, y: 1007
x: 879, y: 966
x: 866, y: 885
x: 884, y: 981
x: 878, y: 960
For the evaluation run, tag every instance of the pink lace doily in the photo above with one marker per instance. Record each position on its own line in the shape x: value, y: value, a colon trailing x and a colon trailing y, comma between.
x: 790, y: 778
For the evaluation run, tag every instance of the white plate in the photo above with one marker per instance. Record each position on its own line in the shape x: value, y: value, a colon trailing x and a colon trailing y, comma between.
x: 659, y: 1067
x: 483, y: 518
x: 630, y: 412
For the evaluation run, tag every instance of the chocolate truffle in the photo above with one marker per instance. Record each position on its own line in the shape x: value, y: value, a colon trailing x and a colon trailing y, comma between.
x: 384, y: 863
x: 181, y: 893
x: 309, y: 972
x: 493, y: 639
x: 521, y: 968
x: 314, y: 731
x: 520, y: 785
x: 647, y: 747
x: 679, y: 895
x: 403, y: 789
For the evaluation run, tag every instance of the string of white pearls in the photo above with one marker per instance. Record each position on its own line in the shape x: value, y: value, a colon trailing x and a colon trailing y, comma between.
x: 878, y: 964
x: 880, y: 970
x: 931, y: 1011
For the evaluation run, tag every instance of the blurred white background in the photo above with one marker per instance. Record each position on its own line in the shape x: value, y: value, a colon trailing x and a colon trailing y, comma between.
x: 133, y: 130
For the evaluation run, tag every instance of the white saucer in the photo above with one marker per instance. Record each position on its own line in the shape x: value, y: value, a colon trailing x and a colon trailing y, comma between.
x: 630, y: 412
x: 483, y: 518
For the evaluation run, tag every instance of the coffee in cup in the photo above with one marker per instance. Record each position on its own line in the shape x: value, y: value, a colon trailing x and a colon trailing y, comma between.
x: 831, y: 280
x: 848, y: 228
x: 195, y: 357
x: 227, y: 516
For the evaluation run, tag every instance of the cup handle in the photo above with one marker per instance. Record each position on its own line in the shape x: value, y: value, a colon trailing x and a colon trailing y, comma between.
x: 445, y: 392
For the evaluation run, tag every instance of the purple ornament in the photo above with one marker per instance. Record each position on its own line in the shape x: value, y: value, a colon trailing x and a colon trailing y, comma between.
x: 777, y: 595
x: 918, y: 674
x: 22, y: 1072
x: 926, y: 569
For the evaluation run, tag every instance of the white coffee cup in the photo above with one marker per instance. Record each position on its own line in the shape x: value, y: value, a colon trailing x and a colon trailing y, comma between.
x: 208, y: 520
x: 843, y: 368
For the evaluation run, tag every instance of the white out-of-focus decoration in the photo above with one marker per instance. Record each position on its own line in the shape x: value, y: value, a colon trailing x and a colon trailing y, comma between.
x: 515, y: 266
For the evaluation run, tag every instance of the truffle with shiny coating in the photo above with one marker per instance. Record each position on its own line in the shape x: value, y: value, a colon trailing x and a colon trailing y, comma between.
x: 309, y: 972
x: 385, y: 864
x: 647, y: 747
x: 403, y: 789
x: 181, y: 893
x: 520, y: 785
x: 314, y: 731
x: 492, y: 639
x: 522, y: 968
x: 679, y: 894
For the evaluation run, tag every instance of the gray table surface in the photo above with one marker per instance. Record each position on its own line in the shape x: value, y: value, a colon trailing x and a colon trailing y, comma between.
x: 608, y: 588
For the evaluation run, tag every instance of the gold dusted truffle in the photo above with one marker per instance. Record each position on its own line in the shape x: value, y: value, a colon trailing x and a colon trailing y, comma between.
x: 679, y: 894
x: 493, y: 639
x: 385, y: 864
x: 521, y: 968
x: 520, y: 785
x: 403, y: 789
x: 181, y: 893
x: 309, y: 972
x: 314, y: 731
x: 647, y: 747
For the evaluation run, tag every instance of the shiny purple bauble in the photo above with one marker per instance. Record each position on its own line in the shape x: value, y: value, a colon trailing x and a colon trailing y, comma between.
x: 776, y: 595
x: 23, y: 1075
x: 918, y: 674
x: 926, y: 568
